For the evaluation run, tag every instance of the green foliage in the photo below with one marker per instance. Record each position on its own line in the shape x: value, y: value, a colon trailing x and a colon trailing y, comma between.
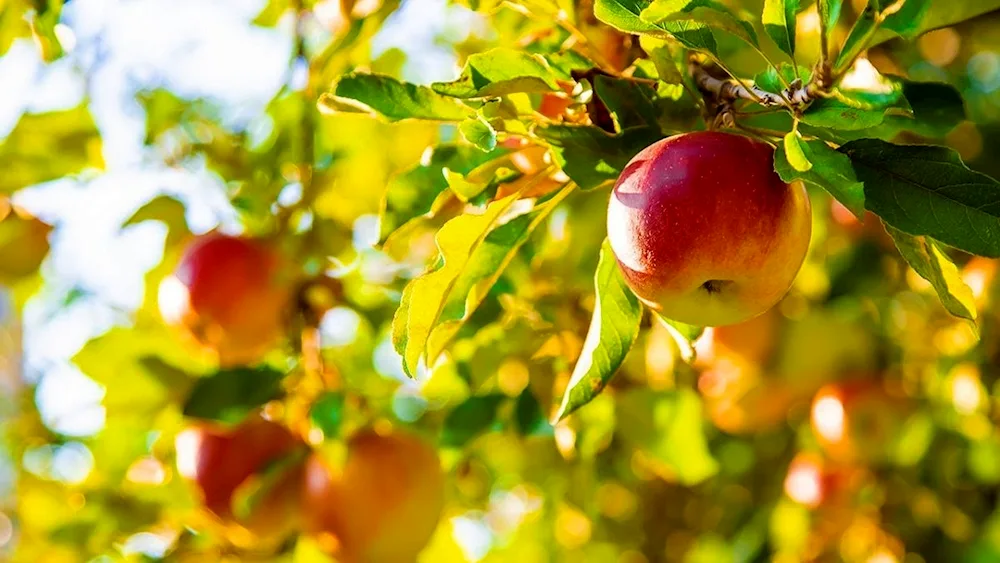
x: 570, y: 425
x: 613, y: 329
x: 924, y: 190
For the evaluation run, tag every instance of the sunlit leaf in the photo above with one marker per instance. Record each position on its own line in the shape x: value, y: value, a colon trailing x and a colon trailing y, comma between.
x: 613, y: 328
x: 927, y: 190
x: 710, y: 12
x: 499, y: 72
x: 391, y: 99
x: 479, y: 132
x: 624, y: 15
x: 412, y: 194
x: 779, y: 23
x: 46, y: 146
x: 427, y: 295
x: 488, y: 261
x: 928, y: 260
x: 794, y: 152
x: 829, y: 170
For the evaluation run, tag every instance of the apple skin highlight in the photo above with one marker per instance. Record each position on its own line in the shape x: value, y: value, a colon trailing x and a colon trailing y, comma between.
x: 704, y: 230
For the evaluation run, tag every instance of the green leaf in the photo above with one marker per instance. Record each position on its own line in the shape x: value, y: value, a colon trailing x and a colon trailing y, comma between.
x: 470, y: 419
x: 231, y: 394
x: 906, y: 21
x: 412, y: 194
x: 427, y: 295
x: 795, y: 153
x: 779, y: 23
x: 858, y: 38
x: 488, y: 261
x: 830, y: 170
x: 592, y: 157
x: 47, y: 146
x: 937, y: 107
x: 927, y: 259
x: 529, y: 416
x: 668, y: 62
x: 683, y: 335
x: 479, y: 132
x: 711, y: 12
x: 613, y: 329
x: 629, y: 102
x: 832, y: 113
x: 391, y: 99
x: 327, y: 413
x: 500, y: 72
x: 829, y: 13
x: 774, y: 80
x: 928, y: 190
x: 669, y: 428
x: 942, y: 14
x: 623, y: 15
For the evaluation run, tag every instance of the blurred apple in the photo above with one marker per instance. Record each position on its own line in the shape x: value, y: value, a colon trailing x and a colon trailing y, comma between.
x: 381, y: 504
x: 858, y: 420
x: 231, y: 294
x: 226, y: 466
x: 870, y: 229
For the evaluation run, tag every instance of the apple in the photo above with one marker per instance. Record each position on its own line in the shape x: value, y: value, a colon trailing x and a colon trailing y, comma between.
x: 858, y: 420
x: 381, y: 505
x: 704, y: 230
x: 231, y: 294
x: 222, y: 462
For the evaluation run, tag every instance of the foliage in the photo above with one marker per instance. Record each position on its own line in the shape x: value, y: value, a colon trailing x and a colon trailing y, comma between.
x: 485, y: 312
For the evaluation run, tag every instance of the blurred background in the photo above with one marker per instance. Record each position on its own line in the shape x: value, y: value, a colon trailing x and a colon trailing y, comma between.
x: 855, y: 422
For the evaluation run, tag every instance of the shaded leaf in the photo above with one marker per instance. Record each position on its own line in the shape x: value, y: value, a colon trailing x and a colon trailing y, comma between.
x: 500, y: 72
x: 391, y: 99
x: 630, y: 103
x: 167, y: 210
x: 613, y: 329
x: 830, y: 170
x: 230, y: 395
x: 592, y: 157
x: 24, y: 244
x: 937, y: 107
x: 775, y: 80
x: 471, y: 418
x: 927, y: 259
x: 928, y: 190
x: 46, y: 146
x: 836, y: 114
x: 529, y: 416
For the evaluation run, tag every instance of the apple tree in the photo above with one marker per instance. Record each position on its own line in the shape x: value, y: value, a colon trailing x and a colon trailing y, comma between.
x: 636, y: 281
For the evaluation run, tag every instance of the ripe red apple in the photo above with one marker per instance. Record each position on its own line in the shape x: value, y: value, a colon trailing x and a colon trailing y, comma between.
x: 218, y: 461
x: 382, y: 505
x: 230, y: 294
x: 704, y: 230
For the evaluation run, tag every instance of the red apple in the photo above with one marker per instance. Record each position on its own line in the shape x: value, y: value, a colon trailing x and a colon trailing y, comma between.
x: 704, y: 230
x: 382, y: 504
x: 218, y: 461
x: 231, y: 294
